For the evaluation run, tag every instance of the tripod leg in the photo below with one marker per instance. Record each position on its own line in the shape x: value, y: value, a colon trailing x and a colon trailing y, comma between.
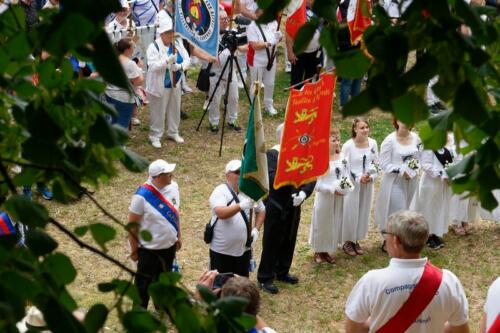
x: 231, y: 61
x: 243, y: 81
x: 213, y: 94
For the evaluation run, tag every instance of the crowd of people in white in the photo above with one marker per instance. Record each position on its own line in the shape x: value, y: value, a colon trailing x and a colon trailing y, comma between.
x: 413, y: 207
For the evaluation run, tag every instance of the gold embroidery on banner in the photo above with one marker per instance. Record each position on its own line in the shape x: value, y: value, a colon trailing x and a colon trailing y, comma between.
x: 306, y: 115
x: 301, y: 164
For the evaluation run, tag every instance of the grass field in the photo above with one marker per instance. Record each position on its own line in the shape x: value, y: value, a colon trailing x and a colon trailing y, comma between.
x: 316, y: 304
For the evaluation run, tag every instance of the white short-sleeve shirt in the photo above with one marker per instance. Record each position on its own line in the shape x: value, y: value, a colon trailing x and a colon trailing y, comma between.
x: 132, y: 71
x: 254, y: 35
x: 492, y: 305
x: 163, y: 232
x: 230, y: 235
x: 380, y: 293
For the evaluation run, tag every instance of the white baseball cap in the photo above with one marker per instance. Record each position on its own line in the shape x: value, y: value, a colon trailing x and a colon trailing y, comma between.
x: 160, y: 166
x: 165, y: 24
x: 233, y: 166
x: 33, y: 320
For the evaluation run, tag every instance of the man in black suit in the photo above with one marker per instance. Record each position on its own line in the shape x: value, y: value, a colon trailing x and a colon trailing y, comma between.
x: 280, y: 226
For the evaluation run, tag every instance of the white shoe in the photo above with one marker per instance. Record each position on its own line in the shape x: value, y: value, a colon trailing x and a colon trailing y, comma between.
x: 272, y: 111
x: 135, y: 121
x: 288, y: 67
x: 177, y: 138
x: 240, y: 85
x: 186, y: 89
x: 156, y: 144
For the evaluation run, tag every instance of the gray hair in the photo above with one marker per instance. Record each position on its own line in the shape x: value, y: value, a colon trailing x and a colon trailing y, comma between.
x: 411, y: 228
x: 279, y: 132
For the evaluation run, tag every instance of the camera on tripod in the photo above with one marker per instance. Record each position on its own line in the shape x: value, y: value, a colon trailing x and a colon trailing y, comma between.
x: 231, y: 39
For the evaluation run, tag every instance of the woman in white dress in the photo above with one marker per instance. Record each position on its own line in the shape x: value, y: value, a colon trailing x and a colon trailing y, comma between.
x: 361, y: 153
x: 399, y: 160
x: 434, y: 193
x: 464, y: 210
x: 325, y: 233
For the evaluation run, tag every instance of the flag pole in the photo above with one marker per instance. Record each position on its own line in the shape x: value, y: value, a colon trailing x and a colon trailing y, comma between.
x: 174, y: 49
x: 329, y: 70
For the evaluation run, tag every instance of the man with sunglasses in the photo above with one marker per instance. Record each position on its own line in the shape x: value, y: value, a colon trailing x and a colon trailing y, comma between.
x: 410, y: 295
x: 233, y: 233
x: 155, y: 209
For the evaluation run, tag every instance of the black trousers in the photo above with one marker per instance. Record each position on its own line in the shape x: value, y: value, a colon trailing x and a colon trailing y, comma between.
x: 224, y: 263
x: 151, y: 263
x: 278, y: 243
x: 305, y: 67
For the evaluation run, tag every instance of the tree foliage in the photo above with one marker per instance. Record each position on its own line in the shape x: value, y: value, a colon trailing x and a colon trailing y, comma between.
x: 467, y: 67
x: 58, y: 132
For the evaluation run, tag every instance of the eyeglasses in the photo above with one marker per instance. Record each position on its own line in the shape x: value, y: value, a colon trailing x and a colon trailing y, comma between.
x: 237, y: 172
x: 385, y: 233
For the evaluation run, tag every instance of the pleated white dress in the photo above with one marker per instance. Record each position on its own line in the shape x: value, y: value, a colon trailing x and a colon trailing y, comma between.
x: 358, y: 203
x: 463, y: 209
x: 396, y: 192
x: 326, y: 225
x: 434, y: 194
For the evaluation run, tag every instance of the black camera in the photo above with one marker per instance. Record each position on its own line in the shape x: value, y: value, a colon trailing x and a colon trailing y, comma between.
x: 231, y: 39
x: 221, y: 279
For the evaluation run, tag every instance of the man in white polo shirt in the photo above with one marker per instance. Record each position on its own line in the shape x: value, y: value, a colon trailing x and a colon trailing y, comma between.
x: 155, y: 208
x: 230, y: 246
x: 383, y: 300
x: 491, y: 318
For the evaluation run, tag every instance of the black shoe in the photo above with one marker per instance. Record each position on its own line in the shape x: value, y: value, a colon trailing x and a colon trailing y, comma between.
x: 184, y: 115
x: 234, y: 126
x: 214, y: 128
x: 290, y: 279
x: 434, y: 242
x: 269, y: 287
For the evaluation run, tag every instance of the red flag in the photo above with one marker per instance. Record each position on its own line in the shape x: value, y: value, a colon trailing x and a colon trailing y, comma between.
x: 295, y: 20
x: 304, y: 153
x: 358, y: 18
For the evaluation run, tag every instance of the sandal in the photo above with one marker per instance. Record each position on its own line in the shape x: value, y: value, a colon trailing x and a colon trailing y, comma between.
x: 467, y: 228
x: 358, y: 249
x: 318, y: 258
x: 348, y: 248
x: 458, y: 229
x: 328, y: 258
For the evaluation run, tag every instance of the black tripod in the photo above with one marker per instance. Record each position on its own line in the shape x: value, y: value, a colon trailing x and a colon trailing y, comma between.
x: 229, y: 62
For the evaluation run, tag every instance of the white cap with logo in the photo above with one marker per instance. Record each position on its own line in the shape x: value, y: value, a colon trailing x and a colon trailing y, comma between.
x: 160, y: 166
x: 233, y: 166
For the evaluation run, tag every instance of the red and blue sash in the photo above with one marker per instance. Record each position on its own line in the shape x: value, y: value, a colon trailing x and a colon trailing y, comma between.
x: 162, y: 205
x: 6, y: 225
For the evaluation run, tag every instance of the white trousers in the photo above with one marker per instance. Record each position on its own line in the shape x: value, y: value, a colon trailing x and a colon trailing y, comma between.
x: 267, y: 78
x: 232, y: 99
x: 167, y: 106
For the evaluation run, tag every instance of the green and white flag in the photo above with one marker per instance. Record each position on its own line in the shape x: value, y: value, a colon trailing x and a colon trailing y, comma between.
x: 254, y: 179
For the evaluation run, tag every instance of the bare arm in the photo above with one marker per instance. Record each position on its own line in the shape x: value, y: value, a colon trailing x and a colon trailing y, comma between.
x: 456, y: 329
x: 196, y: 51
x: 354, y: 327
x: 260, y: 45
x: 225, y: 212
x: 133, y: 235
x: 289, y: 48
x: 259, y: 219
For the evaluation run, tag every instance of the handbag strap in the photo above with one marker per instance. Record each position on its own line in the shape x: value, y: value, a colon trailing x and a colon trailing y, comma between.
x: 243, y: 214
x: 265, y: 40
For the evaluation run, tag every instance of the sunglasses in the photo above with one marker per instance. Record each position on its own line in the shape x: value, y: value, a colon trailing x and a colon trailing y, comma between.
x: 237, y: 172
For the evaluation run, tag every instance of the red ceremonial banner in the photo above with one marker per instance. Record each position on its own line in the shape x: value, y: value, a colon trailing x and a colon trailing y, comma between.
x: 296, y: 20
x: 305, y: 143
x: 362, y: 20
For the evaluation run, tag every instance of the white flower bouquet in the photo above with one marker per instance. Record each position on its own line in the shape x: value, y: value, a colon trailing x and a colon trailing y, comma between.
x: 346, y: 184
x: 413, y: 164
